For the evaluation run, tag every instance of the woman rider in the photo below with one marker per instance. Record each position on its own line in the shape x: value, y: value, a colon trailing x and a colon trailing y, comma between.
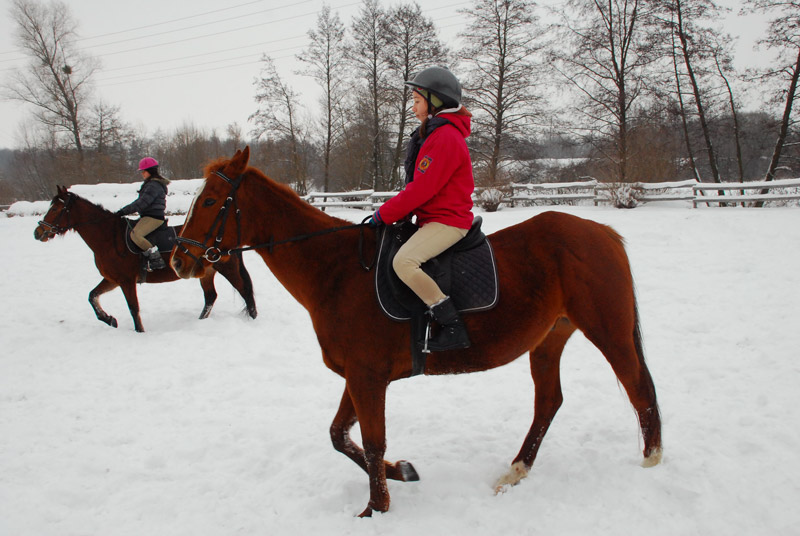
x: 438, y: 191
x: 151, y: 206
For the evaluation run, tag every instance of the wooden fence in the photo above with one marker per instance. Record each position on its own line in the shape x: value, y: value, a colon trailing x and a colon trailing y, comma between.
x: 592, y: 191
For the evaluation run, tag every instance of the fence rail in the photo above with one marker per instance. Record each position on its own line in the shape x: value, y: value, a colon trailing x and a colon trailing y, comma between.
x: 729, y: 193
x: 782, y: 192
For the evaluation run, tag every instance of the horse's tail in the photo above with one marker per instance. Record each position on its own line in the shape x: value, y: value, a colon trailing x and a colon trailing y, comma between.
x: 651, y: 421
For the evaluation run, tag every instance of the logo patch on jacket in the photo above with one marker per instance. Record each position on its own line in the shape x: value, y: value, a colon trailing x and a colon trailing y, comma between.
x: 424, y: 164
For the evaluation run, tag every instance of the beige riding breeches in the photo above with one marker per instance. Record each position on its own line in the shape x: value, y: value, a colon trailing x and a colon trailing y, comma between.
x: 429, y: 241
x: 144, y: 227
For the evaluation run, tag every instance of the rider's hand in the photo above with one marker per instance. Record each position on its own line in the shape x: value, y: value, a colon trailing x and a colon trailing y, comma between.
x: 375, y: 220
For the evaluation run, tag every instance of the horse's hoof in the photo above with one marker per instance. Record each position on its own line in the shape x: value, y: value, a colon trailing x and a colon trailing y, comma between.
x: 407, y: 471
x: 512, y: 478
x: 205, y: 312
x: 654, y: 458
x: 112, y: 322
x: 366, y: 513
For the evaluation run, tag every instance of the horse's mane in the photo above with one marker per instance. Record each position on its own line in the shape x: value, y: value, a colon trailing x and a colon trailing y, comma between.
x: 284, y: 191
x: 88, y: 202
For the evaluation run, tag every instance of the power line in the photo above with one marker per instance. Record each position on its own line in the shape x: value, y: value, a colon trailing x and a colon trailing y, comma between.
x: 293, y: 4
x: 203, y: 54
x: 193, y: 56
x: 238, y: 48
x: 171, y: 21
x: 138, y: 78
x: 214, y: 34
x: 192, y: 27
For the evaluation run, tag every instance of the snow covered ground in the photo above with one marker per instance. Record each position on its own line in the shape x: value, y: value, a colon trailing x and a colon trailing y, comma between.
x: 220, y: 426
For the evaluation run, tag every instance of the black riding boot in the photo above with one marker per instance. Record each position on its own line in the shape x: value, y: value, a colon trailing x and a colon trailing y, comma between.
x: 452, y: 333
x: 154, y: 259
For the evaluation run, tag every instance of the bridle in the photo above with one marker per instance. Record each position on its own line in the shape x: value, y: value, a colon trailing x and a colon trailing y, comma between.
x: 53, y: 229
x: 212, y: 253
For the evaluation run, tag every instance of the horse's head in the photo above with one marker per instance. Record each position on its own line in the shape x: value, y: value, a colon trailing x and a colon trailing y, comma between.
x: 211, y: 226
x: 57, y: 219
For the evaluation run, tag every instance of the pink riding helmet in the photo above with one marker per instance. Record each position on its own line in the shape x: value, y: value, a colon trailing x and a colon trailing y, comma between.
x: 147, y: 162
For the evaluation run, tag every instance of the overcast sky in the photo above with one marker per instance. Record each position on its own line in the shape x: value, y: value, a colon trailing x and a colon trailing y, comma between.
x: 166, y: 63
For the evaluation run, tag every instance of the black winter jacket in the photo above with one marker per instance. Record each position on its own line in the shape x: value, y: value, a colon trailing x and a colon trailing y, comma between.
x: 152, y: 200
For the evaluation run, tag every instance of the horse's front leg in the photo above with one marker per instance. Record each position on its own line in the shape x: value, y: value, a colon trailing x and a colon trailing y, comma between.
x: 209, y: 293
x: 340, y: 437
x: 368, y: 397
x: 129, y: 290
x: 94, y: 300
x: 237, y: 275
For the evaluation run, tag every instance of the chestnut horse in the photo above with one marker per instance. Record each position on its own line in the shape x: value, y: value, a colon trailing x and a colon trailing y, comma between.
x: 557, y: 272
x: 104, y: 232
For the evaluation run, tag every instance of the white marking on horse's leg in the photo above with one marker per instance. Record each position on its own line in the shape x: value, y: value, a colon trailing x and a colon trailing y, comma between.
x: 654, y: 458
x: 517, y: 472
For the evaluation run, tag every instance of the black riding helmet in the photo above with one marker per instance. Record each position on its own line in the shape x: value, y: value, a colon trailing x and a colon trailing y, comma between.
x: 441, y: 82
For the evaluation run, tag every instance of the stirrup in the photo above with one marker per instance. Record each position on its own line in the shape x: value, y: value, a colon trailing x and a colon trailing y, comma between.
x: 427, y: 338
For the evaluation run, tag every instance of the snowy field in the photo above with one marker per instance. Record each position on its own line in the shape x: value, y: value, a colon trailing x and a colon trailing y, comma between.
x: 220, y: 426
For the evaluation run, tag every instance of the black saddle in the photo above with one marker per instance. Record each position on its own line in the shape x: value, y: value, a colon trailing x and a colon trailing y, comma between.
x: 164, y: 237
x: 466, y: 272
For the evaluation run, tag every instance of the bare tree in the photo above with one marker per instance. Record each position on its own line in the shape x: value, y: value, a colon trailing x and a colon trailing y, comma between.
x: 56, y: 82
x: 412, y: 46
x: 693, y: 51
x: 501, y: 83
x: 325, y: 59
x: 368, y: 55
x: 278, y: 117
x: 784, y: 36
x: 106, y: 131
x: 724, y: 64
x: 604, y: 54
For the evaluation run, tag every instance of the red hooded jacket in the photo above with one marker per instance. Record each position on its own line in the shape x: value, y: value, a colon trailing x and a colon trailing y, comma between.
x: 442, y: 187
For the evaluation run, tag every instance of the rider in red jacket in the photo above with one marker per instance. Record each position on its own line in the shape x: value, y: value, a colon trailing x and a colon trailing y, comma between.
x: 438, y: 192
x: 442, y: 185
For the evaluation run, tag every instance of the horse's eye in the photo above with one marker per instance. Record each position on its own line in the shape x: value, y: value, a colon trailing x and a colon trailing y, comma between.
x: 208, y: 202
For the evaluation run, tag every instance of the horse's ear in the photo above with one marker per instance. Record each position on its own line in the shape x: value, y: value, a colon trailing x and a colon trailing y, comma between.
x: 238, y: 163
x: 62, y: 190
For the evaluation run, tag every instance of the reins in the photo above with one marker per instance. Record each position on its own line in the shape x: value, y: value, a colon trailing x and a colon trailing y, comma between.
x: 213, y: 254
x: 272, y: 243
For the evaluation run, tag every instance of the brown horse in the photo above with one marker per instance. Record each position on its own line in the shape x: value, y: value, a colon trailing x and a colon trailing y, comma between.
x: 558, y: 273
x: 104, y: 232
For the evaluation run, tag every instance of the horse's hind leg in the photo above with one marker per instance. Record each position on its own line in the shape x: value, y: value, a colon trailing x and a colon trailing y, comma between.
x: 545, y: 370
x: 340, y: 437
x: 634, y: 375
x: 94, y: 300
x: 209, y: 293
x: 625, y: 354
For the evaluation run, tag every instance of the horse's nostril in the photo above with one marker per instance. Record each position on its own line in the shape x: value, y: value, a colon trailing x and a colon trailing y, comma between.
x: 176, y: 263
